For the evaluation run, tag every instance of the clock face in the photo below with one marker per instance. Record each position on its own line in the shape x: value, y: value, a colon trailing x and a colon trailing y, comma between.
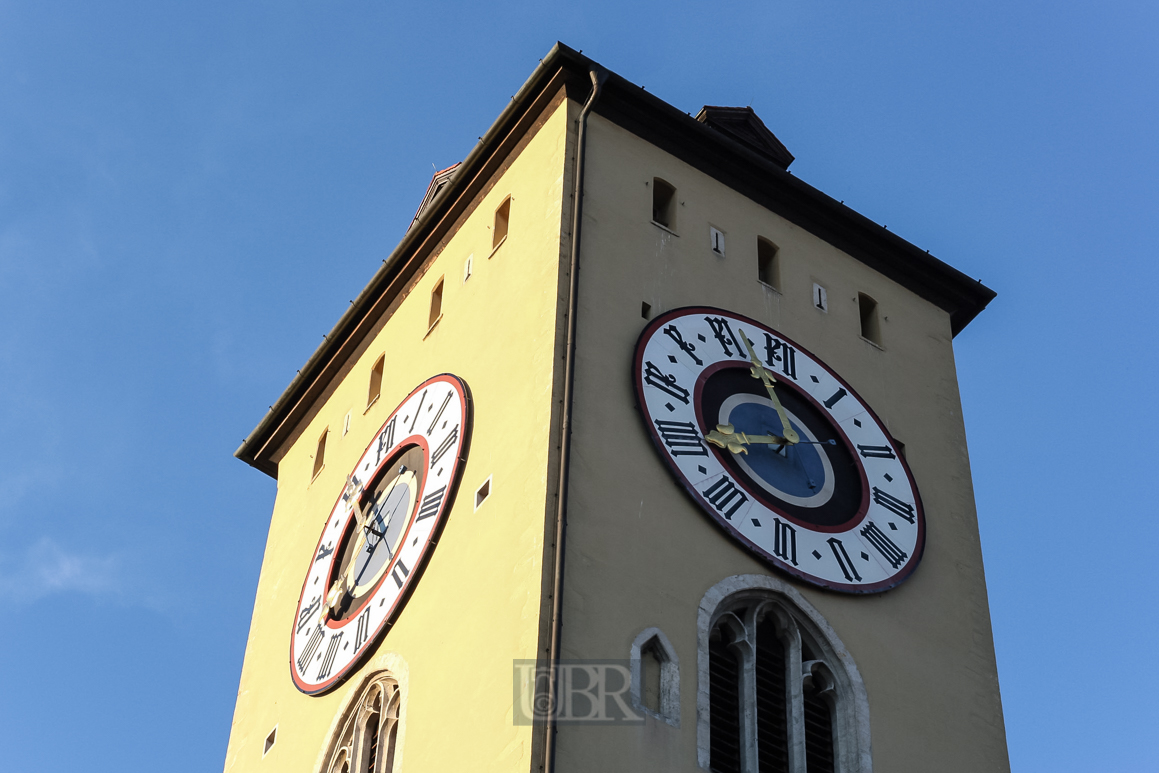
x: 786, y: 458
x: 380, y: 533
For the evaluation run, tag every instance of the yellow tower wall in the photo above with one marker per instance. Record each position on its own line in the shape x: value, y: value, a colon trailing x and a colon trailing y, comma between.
x: 478, y: 605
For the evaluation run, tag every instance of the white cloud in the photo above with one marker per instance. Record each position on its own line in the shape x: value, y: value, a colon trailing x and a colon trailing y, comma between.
x: 46, y: 568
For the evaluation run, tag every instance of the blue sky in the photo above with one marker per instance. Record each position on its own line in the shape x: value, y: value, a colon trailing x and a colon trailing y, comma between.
x: 191, y: 193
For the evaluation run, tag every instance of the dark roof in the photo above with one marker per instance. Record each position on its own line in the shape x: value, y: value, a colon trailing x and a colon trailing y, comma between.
x: 729, y: 147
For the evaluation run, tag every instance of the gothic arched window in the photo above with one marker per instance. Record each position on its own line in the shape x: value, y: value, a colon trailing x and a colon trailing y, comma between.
x: 779, y: 693
x: 367, y: 734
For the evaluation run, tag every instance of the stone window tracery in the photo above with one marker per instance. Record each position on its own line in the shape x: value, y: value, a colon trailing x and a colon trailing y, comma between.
x: 368, y: 733
x: 778, y: 692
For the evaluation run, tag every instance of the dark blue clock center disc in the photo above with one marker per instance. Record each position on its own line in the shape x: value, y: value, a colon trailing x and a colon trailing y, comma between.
x: 797, y: 471
x: 817, y: 485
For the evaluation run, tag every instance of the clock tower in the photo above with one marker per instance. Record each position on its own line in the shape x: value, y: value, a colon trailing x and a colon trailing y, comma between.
x: 637, y: 453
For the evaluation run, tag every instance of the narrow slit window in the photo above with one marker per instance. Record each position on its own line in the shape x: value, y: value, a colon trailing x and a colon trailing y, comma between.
x: 375, y: 381
x: 467, y: 268
x: 482, y: 493
x: 271, y: 739
x: 650, y: 661
x: 768, y: 267
x: 320, y: 454
x: 663, y: 203
x: 870, y: 327
x: 436, y: 304
x: 646, y: 310
x: 502, y: 220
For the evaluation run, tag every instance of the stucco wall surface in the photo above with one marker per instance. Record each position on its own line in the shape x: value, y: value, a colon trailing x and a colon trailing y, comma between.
x: 640, y: 553
x: 477, y: 606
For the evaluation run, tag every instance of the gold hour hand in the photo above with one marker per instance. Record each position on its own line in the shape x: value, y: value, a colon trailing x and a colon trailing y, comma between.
x: 726, y: 436
x: 758, y: 371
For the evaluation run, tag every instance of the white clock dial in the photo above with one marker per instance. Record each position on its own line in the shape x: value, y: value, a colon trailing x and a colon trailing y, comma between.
x: 380, y: 533
x: 827, y: 498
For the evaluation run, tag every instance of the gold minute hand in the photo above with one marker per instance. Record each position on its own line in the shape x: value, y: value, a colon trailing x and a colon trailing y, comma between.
x: 758, y: 371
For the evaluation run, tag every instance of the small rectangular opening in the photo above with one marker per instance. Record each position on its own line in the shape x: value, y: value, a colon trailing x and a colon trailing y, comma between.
x: 375, y: 389
x: 502, y: 219
x: 320, y: 453
x: 663, y: 203
x: 646, y: 310
x: 467, y: 268
x: 900, y: 447
x: 482, y: 493
x: 346, y: 424
x: 436, y: 304
x: 768, y: 268
x: 870, y: 327
x: 271, y: 739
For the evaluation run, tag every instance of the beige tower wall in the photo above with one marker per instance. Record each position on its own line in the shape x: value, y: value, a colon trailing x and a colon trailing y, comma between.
x: 640, y: 553
x: 478, y: 606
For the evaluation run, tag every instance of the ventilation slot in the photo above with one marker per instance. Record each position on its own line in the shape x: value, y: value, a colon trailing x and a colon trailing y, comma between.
x: 724, y: 705
x: 772, y: 724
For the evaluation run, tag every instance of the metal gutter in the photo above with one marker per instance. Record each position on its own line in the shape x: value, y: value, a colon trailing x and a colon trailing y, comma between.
x: 598, y: 75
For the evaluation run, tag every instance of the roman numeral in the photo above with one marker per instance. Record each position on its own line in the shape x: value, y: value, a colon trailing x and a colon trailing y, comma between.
x: 394, y: 575
x: 431, y: 504
x: 681, y: 438
x: 780, y: 353
x: 784, y: 541
x: 843, y: 560
x: 672, y: 332
x: 725, y: 497
x: 876, y: 452
x: 328, y: 659
x: 385, y: 441
x: 309, y: 650
x: 445, y: 446
x: 422, y: 399
x: 362, y: 635
x: 438, y: 415
x: 836, y: 396
x: 324, y: 551
x: 719, y: 327
x: 884, y: 545
x: 308, y: 612
x: 653, y: 376
x: 890, y: 502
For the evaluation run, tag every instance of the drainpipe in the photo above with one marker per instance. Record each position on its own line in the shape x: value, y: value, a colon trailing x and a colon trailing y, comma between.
x: 598, y: 76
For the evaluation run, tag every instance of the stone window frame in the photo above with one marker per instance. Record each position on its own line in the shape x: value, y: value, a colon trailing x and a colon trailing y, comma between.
x: 669, y: 676
x: 797, y: 619
x: 348, y: 745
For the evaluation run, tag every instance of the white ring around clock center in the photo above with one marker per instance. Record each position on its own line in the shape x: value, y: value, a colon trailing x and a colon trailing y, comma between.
x: 818, y: 499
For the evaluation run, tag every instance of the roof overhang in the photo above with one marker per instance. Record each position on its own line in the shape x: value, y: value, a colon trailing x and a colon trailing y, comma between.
x: 698, y: 144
